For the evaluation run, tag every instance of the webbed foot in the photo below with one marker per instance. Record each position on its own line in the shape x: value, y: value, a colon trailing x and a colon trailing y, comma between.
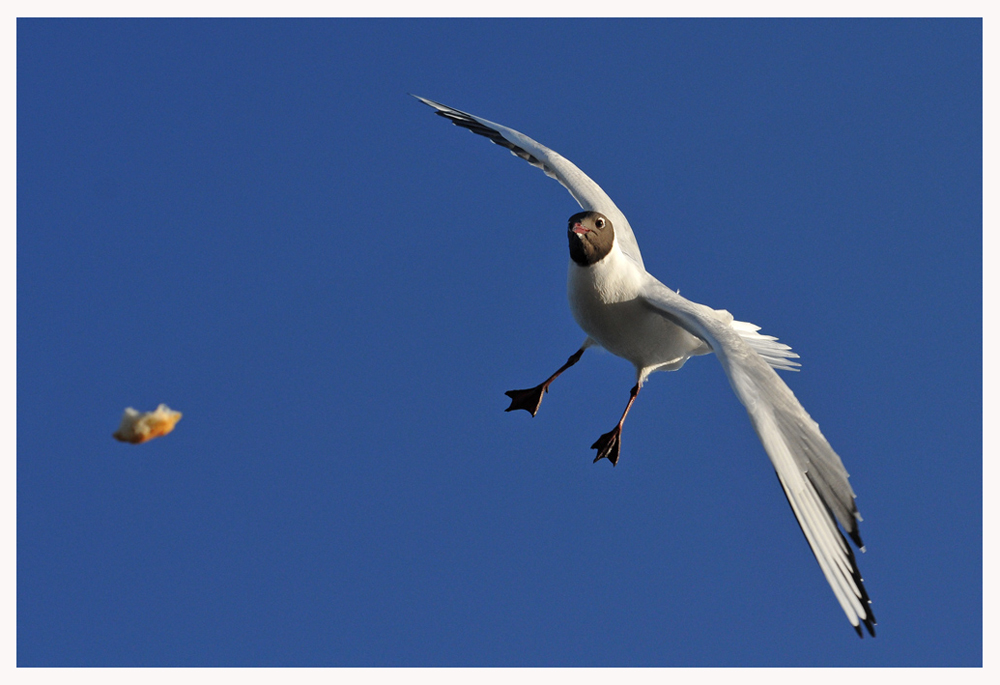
x: 608, y: 446
x: 529, y: 400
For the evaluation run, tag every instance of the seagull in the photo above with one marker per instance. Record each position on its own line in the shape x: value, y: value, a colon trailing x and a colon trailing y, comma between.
x: 628, y: 312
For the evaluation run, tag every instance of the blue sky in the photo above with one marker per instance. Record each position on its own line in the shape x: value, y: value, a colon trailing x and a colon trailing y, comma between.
x: 252, y: 222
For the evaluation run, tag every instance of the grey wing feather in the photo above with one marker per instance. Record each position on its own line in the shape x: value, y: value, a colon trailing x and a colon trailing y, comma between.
x: 811, y: 474
x: 587, y: 193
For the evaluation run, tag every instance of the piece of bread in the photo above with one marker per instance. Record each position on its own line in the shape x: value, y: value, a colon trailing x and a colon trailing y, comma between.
x: 137, y: 428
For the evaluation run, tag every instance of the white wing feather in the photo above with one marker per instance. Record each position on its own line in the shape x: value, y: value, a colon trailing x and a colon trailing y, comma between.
x: 778, y: 355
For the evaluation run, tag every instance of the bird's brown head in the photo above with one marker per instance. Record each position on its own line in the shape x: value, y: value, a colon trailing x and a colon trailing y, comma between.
x: 591, y: 236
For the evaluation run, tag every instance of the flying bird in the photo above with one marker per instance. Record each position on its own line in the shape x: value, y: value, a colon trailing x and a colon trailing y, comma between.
x: 627, y: 311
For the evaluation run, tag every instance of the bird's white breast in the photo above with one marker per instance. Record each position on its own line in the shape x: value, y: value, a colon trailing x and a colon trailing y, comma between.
x: 606, y: 302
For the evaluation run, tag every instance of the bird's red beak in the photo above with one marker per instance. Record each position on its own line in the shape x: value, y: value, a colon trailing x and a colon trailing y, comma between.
x: 579, y: 228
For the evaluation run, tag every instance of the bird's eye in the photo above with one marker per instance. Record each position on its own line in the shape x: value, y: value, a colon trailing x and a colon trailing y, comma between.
x: 599, y: 223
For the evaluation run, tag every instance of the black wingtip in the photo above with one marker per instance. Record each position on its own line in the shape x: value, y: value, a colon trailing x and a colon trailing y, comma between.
x: 866, y: 602
x: 870, y: 621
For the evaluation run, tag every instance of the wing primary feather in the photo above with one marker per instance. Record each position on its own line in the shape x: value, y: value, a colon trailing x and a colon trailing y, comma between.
x: 467, y: 121
x: 862, y: 593
x: 869, y: 619
x: 819, y: 531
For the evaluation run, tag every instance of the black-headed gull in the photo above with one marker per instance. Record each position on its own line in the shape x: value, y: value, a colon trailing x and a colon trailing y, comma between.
x: 625, y: 310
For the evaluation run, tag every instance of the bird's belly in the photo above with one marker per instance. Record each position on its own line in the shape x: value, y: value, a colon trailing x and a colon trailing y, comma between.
x: 624, y: 325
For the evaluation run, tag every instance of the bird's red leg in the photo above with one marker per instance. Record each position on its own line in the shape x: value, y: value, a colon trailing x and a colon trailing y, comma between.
x: 531, y: 399
x: 609, y: 444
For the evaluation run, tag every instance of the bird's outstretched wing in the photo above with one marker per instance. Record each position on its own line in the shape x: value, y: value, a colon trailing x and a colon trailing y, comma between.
x: 585, y: 191
x: 811, y: 474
